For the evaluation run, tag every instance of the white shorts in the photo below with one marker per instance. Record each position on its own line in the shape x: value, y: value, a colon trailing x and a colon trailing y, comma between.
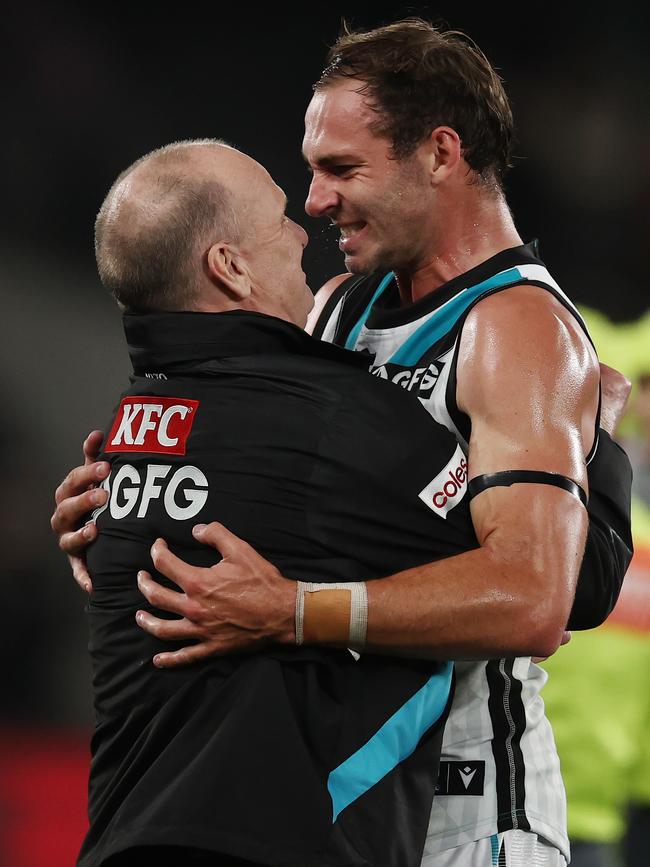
x: 508, y: 849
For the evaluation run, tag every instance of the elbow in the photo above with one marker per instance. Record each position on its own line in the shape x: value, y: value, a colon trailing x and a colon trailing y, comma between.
x: 523, y: 626
x: 546, y: 642
x: 541, y: 628
x: 537, y: 615
x: 536, y: 594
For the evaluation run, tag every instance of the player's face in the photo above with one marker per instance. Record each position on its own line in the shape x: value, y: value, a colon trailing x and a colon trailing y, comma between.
x: 274, y: 253
x: 379, y: 204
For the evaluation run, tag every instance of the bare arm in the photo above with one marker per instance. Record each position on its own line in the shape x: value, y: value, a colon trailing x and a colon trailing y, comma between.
x: 529, y: 382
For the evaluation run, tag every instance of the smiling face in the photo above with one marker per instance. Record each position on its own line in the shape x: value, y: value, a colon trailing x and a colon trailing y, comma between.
x: 381, y: 205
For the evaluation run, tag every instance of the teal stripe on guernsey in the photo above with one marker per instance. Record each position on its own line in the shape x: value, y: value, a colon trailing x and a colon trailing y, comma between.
x: 444, y: 319
x: 394, y: 742
x: 350, y: 343
x: 440, y: 322
x: 494, y: 840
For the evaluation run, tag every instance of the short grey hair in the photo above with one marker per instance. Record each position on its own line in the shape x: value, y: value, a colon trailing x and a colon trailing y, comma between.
x: 147, y: 246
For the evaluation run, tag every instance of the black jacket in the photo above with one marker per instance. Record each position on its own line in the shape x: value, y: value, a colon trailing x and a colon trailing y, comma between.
x: 286, y: 756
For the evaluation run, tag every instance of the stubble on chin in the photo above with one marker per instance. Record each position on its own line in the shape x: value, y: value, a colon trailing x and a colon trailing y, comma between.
x: 379, y: 262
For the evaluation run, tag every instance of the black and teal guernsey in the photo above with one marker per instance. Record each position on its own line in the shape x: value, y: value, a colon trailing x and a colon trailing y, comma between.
x: 287, y: 756
x: 499, y: 766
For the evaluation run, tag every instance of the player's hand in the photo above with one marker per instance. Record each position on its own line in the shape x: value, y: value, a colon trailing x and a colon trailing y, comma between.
x: 566, y: 638
x: 615, y: 390
x: 76, y: 496
x: 241, y: 602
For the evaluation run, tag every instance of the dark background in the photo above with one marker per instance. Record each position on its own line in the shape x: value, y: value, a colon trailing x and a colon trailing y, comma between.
x: 85, y: 92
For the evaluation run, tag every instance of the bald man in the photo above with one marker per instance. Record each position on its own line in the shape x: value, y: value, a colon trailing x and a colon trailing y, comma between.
x: 293, y: 755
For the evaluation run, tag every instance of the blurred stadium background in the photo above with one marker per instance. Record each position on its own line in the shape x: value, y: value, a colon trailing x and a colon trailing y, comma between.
x: 85, y: 92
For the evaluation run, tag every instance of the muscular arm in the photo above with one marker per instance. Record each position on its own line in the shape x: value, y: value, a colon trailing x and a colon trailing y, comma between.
x: 529, y: 382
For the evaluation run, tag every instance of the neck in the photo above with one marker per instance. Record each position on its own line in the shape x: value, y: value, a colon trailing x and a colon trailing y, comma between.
x: 471, y: 234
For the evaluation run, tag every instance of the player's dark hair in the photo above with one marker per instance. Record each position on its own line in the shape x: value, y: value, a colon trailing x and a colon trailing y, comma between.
x: 418, y: 77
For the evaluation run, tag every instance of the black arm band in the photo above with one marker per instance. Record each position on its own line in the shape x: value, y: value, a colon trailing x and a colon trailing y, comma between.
x: 513, y: 477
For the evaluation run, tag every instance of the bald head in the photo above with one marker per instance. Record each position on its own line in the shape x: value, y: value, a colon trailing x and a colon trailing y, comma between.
x: 161, y: 214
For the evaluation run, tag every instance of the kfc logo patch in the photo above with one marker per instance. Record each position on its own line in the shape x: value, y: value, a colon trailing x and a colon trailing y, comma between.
x: 449, y: 486
x: 152, y: 424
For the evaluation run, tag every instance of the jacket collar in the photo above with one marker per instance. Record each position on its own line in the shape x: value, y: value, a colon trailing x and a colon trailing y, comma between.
x: 158, y: 341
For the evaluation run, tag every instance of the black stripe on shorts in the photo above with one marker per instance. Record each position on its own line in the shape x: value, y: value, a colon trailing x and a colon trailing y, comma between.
x: 508, y: 724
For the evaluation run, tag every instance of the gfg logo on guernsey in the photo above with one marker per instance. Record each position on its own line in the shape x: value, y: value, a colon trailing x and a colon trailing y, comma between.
x: 152, y: 424
x: 449, y: 486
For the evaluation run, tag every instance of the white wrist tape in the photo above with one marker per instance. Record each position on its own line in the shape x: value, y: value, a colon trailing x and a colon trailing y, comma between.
x: 358, y: 609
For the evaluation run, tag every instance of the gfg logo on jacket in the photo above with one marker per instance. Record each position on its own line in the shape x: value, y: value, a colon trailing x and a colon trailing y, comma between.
x: 449, y: 486
x: 182, y: 491
x: 152, y: 424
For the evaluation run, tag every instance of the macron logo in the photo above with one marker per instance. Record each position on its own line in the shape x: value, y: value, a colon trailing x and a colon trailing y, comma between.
x: 449, y: 486
x: 467, y: 774
x: 147, y: 424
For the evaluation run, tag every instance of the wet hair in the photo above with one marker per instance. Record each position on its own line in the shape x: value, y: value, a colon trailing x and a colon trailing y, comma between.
x: 418, y: 77
x: 148, y: 238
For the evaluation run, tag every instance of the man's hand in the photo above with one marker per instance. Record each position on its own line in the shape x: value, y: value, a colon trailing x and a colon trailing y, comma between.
x: 76, y: 496
x: 615, y: 390
x: 240, y: 602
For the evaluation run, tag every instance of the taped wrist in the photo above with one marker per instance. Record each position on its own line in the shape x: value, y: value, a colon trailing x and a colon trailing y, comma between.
x: 332, y: 614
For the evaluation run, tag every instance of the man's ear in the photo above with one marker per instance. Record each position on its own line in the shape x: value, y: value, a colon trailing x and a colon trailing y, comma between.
x: 443, y: 151
x: 226, y: 268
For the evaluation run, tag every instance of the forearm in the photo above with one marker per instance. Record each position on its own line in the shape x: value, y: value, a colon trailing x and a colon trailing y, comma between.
x: 511, y: 596
x: 466, y: 607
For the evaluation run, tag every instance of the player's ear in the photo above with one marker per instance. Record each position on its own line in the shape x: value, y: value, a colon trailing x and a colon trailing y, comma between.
x: 227, y: 269
x: 442, y: 152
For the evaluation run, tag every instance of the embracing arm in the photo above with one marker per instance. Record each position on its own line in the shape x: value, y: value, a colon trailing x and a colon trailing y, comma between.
x: 529, y: 382
x: 529, y: 527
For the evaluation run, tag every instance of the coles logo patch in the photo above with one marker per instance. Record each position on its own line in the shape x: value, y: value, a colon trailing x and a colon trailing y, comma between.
x: 152, y: 424
x: 449, y: 486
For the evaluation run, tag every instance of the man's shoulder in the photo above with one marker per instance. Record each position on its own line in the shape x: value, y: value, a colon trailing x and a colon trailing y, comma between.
x: 527, y: 311
x: 339, y: 303
x: 321, y: 298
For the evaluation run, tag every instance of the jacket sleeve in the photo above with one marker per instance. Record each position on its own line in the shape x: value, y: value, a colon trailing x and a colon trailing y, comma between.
x: 609, y: 548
